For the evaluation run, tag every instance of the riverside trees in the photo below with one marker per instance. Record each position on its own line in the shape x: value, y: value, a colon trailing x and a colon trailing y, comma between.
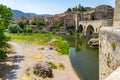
x: 5, y: 17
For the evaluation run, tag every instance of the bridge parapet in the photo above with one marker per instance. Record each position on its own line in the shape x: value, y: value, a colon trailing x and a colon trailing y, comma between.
x: 96, y: 24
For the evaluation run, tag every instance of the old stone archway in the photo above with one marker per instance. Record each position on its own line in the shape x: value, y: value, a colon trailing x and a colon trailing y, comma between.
x: 80, y: 29
x: 89, y: 31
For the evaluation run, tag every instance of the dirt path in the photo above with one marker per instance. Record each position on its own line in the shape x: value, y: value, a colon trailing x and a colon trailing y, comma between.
x: 22, y: 61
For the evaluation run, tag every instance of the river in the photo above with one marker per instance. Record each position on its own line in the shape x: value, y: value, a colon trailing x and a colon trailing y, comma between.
x: 83, y: 58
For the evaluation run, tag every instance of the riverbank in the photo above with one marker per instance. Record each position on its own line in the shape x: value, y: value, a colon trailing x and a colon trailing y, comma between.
x: 53, y: 40
x: 24, y: 59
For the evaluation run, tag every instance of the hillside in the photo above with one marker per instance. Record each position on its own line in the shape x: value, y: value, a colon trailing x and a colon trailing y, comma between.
x: 18, y: 14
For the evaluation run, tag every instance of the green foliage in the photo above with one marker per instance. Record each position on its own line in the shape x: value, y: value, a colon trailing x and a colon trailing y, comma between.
x: 5, y: 17
x: 43, y: 38
x: 62, y: 46
x: 21, y: 24
x: 92, y: 17
x: 53, y: 66
x: 61, y: 66
x: 105, y: 5
x: 69, y: 10
x: 14, y: 28
x: 56, y: 25
x: 86, y: 8
x: 75, y: 9
x: 28, y: 30
x: 113, y: 44
x: 27, y: 22
x: 35, y: 71
x: 38, y: 23
x: 78, y: 9
x: 5, y: 14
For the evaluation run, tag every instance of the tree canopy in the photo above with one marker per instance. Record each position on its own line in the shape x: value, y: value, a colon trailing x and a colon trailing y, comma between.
x: 5, y: 14
x: 5, y: 17
x: 78, y: 9
x: 14, y: 28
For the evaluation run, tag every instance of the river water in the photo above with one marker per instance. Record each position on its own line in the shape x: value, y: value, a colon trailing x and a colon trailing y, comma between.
x: 83, y: 58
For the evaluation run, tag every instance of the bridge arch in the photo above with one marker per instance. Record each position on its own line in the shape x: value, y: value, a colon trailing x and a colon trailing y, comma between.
x: 89, y: 31
x: 80, y: 29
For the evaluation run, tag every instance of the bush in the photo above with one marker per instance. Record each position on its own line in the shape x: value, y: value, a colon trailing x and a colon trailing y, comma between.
x: 38, y: 23
x: 21, y: 24
x: 14, y: 28
x: 28, y: 30
x: 56, y: 25
x: 53, y: 66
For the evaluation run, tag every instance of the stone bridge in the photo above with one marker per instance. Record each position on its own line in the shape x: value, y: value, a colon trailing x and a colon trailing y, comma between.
x: 92, y: 26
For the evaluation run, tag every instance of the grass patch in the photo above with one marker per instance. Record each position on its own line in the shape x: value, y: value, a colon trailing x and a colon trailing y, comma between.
x: 61, y: 46
x: 61, y: 66
x: 53, y: 66
x: 41, y: 39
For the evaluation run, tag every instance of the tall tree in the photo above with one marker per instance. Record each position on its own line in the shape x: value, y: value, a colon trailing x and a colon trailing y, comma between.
x: 5, y: 14
x: 21, y: 24
x: 5, y: 17
x: 69, y: 10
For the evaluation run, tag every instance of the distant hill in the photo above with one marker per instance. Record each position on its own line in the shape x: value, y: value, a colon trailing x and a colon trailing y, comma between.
x: 19, y: 14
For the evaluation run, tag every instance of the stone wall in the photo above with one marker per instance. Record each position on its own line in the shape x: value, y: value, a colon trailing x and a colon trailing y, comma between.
x: 109, y: 51
x: 116, y: 21
x: 96, y: 24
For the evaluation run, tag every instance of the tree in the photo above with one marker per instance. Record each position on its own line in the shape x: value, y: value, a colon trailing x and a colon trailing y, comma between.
x: 27, y: 22
x: 14, y: 28
x: 5, y: 14
x: 21, y: 24
x: 69, y: 10
x: 5, y: 17
x: 38, y: 23
x: 75, y: 9
x: 92, y: 17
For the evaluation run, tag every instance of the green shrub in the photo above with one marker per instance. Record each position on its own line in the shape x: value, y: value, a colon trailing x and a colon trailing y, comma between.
x: 43, y: 38
x: 53, y: 66
x: 62, y: 46
x: 56, y: 25
x: 14, y: 28
x: 28, y: 30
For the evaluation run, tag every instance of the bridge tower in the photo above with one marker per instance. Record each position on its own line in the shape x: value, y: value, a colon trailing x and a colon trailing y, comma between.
x: 116, y: 20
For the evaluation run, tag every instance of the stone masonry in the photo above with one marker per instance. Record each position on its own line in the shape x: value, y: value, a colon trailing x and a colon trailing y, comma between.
x: 109, y: 51
x: 116, y: 21
x: 109, y: 48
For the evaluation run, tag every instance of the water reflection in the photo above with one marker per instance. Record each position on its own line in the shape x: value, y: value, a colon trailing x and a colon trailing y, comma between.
x: 83, y: 58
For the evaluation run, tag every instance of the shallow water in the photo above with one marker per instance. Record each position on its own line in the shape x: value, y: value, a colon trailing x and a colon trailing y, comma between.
x: 83, y: 58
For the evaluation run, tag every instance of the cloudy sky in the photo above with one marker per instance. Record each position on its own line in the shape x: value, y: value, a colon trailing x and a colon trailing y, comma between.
x: 51, y: 6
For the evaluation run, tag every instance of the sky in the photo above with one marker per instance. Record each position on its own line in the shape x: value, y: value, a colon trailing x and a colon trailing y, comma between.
x: 51, y: 6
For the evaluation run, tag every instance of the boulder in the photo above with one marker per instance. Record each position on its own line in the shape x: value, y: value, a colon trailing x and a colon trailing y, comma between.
x: 94, y: 42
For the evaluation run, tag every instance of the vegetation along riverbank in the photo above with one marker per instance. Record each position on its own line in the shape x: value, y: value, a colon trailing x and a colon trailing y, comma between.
x: 53, y: 40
